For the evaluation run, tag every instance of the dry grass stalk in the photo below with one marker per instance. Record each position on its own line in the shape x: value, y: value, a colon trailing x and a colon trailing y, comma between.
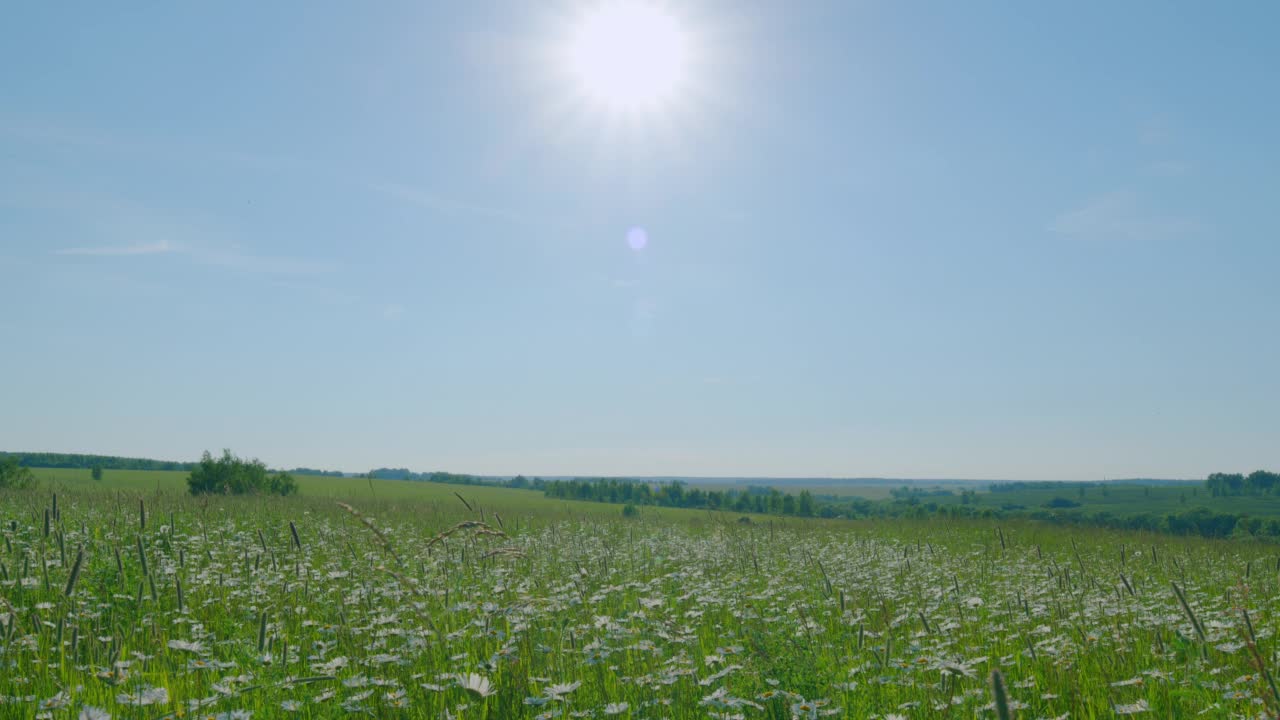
x: 512, y: 552
x: 377, y: 533
x: 483, y: 529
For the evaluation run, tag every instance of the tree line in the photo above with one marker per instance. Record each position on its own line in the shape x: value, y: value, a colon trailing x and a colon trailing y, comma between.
x: 765, y: 501
x: 81, y: 461
x: 1258, y: 482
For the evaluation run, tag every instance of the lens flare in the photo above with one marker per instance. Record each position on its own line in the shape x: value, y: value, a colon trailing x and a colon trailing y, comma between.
x: 637, y: 238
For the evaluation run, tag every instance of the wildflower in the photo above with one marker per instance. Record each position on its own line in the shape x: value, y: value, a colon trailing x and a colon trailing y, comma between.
x: 556, y: 691
x: 805, y: 709
x: 145, y: 696
x: 477, y: 684
x: 56, y: 702
x: 89, y: 712
x: 326, y: 695
x: 1133, y: 708
x: 616, y: 708
x: 195, y: 647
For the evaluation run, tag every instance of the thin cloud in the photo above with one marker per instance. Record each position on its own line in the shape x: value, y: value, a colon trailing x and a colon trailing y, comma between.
x: 1120, y: 216
x: 155, y: 248
x: 263, y: 264
x: 431, y: 200
x: 231, y: 259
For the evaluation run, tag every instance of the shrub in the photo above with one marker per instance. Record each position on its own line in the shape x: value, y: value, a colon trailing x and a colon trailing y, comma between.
x: 1061, y: 502
x: 230, y: 475
x: 14, y: 476
x: 630, y: 510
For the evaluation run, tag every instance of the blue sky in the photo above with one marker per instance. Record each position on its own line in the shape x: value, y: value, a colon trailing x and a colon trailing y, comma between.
x: 991, y: 240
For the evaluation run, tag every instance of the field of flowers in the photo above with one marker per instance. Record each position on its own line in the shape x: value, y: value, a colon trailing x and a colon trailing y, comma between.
x: 128, y: 606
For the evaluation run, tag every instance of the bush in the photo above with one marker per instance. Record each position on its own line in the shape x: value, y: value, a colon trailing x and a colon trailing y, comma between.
x: 14, y: 476
x: 1061, y: 502
x: 630, y: 510
x: 230, y: 475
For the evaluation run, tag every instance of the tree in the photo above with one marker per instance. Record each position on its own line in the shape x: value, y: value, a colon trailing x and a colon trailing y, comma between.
x: 230, y: 475
x: 804, y: 506
x: 13, y: 476
x: 282, y: 483
x: 1261, y: 482
x: 96, y: 472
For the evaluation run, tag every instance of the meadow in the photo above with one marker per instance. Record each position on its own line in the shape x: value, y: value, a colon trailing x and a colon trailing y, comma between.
x: 130, y: 599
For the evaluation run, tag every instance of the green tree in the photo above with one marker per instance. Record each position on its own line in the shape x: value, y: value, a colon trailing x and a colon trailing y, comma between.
x: 96, y: 472
x: 788, y: 504
x: 282, y: 483
x: 230, y: 475
x: 804, y: 506
x: 14, y: 476
x: 1261, y: 482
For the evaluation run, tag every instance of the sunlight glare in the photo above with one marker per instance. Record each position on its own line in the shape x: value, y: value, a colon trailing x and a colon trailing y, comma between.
x: 629, y: 55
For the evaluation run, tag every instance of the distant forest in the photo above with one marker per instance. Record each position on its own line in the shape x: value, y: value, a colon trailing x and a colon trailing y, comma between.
x: 1258, y: 482
x: 87, y: 462
x: 113, y: 462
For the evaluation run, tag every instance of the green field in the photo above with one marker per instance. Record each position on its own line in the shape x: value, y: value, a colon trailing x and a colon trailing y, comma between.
x: 521, y: 606
x: 354, y: 490
x: 1127, y: 499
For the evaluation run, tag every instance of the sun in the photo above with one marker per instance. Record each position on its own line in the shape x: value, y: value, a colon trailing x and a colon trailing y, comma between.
x: 629, y: 55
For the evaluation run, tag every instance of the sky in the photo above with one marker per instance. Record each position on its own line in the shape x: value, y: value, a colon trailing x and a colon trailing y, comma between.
x: 899, y: 239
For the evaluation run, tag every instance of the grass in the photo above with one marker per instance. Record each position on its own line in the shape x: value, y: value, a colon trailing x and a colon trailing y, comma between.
x: 412, y: 604
x: 503, y: 500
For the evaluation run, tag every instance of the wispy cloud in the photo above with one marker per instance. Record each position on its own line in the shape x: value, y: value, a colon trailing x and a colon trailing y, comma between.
x: 234, y: 259
x: 437, y: 202
x: 154, y: 248
x: 1121, y: 215
x: 49, y: 131
x: 231, y: 258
